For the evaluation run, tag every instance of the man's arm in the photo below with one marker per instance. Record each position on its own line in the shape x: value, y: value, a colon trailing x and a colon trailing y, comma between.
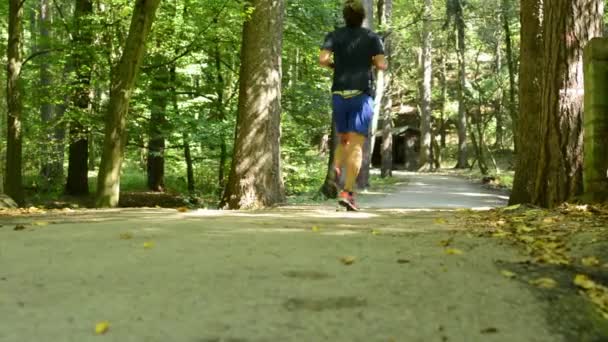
x: 325, y: 59
x: 380, y: 62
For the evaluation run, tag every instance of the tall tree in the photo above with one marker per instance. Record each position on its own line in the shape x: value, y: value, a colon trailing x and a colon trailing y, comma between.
x: 364, y: 172
x: 255, y: 177
x: 455, y: 11
x: 386, y: 169
x: 568, y: 27
x: 77, y: 182
x: 506, y: 22
x: 159, y: 87
x: 549, y: 171
x: 51, y: 168
x: 14, y: 139
x: 499, y: 100
x: 528, y: 127
x: 123, y: 81
x: 425, y: 88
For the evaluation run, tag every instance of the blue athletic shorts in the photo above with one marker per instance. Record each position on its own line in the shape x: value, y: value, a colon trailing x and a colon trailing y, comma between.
x: 353, y: 114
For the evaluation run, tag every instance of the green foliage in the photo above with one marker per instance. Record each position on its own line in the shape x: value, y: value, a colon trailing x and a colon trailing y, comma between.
x: 194, y: 50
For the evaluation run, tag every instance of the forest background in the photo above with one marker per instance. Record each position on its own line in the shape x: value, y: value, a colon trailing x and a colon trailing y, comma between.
x: 454, y: 77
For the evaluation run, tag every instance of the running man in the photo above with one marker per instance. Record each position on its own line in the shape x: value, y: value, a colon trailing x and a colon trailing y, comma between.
x: 355, y: 50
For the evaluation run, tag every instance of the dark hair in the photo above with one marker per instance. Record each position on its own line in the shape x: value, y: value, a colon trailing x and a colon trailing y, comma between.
x: 352, y: 17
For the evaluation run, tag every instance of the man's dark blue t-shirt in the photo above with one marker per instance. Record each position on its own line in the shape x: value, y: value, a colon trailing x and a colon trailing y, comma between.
x: 353, y: 50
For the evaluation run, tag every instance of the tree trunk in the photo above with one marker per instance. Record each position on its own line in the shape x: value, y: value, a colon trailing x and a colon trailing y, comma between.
x: 189, y: 164
x: 477, y: 140
x: 368, y: 22
x: 185, y: 135
x: 387, y: 119
x: 506, y: 18
x: 77, y: 183
x: 444, y: 98
x: 331, y: 186
x: 123, y: 81
x: 51, y: 166
x: 364, y: 172
x: 425, y: 88
x: 255, y: 177
x: 498, y: 102
x: 462, y: 74
x: 220, y: 115
x: 156, y: 129
x: 527, y: 134
x: 568, y: 27
x: 14, y: 139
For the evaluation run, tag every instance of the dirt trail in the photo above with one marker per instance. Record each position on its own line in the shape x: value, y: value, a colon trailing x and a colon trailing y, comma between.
x: 276, y: 275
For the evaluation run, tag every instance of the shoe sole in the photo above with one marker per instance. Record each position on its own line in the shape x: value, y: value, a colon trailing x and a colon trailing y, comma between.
x: 349, y: 206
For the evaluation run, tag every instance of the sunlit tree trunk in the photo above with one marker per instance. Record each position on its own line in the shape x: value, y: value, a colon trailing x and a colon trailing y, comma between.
x: 386, y: 169
x: 14, y: 139
x: 255, y: 177
x: 498, y: 102
x: 220, y: 112
x: 331, y: 185
x: 462, y: 82
x: 506, y: 21
x: 550, y: 139
x: 425, y: 162
x: 568, y: 27
x: 123, y: 81
x: 527, y: 133
x: 443, y: 80
x: 364, y: 173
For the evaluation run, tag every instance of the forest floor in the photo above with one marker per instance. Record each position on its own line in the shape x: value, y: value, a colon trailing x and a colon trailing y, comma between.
x: 416, y: 265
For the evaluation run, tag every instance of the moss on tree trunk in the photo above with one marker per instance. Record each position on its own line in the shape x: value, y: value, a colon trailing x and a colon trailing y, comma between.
x: 123, y: 81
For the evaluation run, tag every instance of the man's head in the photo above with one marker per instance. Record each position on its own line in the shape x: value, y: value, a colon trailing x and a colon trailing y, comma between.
x: 354, y: 13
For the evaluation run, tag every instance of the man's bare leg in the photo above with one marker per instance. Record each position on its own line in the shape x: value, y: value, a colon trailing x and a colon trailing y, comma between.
x: 353, y: 160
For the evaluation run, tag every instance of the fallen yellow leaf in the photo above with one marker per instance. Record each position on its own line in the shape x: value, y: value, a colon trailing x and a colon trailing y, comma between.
x: 583, y: 281
x: 348, y: 260
x: 590, y: 261
x: 102, y: 328
x: 148, y: 244
x: 453, y: 251
x: 513, y: 207
x: 544, y: 283
x: 508, y: 274
x: 315, y: 228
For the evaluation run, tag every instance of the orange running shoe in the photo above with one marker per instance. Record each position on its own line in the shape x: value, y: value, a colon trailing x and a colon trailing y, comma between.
x: 346, y: 199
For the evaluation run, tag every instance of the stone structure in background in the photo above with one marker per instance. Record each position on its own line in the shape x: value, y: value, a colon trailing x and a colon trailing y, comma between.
x: 596, y: 120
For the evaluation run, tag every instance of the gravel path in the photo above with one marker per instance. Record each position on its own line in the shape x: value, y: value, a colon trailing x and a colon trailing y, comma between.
x: 291, y: 274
